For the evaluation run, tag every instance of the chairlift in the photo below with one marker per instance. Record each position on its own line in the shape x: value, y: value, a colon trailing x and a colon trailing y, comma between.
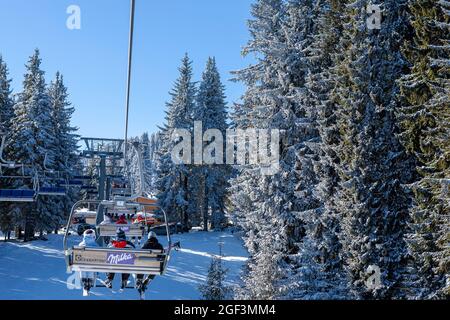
x: 84, y: 215
x: 20, y: 194
x: 17, y: 195
x: 52, y: 191
x: 50, y: 183
x: 103, y: 259
x: 48, y: 186
x: 71, y: 183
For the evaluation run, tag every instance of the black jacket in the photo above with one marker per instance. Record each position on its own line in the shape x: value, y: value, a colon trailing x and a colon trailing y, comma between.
x: 152, y: 244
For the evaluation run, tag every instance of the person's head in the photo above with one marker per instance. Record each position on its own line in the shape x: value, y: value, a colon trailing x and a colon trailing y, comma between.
x: 152, y: 236
x: 122, y: 217
x: 121, y: 236
x: 89, y: 234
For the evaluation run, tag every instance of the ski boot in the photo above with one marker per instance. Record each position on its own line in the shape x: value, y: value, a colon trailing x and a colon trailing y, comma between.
x: 87, y: 285
x: 124, y: 285
x: 108, y: 283
x: 140, y: 288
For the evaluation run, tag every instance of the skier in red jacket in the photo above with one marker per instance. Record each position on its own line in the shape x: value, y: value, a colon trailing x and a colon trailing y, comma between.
x: 120, y: 243
x: 122, y: 220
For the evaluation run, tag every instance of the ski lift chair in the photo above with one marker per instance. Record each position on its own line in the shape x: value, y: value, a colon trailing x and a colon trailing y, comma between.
x: 70, y: 183
x: 89, y: 188
x: 124, y: 192
x: 83, y: 178
x: 54, y: 185
x: 19, y: 194
x: 52, y: 191
x: 131, y: 261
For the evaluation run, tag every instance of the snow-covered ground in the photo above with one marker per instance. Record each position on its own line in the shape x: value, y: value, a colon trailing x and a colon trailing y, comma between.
x: 36, y: 270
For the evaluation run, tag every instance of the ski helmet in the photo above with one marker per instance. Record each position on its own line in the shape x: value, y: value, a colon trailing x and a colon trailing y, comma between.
x: 121, y: 235
x: 151, y: 234
x: 89, y: 233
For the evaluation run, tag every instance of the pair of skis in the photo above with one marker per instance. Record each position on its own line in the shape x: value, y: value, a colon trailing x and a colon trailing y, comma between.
x: 141, y: 289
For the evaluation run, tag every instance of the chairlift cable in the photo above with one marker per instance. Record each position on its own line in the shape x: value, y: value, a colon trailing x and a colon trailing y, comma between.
x: 130, y: 61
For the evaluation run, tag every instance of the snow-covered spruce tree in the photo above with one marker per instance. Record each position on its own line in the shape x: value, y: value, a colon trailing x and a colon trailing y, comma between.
x: 172, y: 182
x: 33, y: 139
x: 212, y: 179
x: 155, y: 145
x: 275, y: 99
x: 6, y: 100
x: 262, y: 225
x: 425, y: 123
x: 6, y: 115
x: 215, y: 287
x: 65, y: 160
x: 313, y: 35
x: 147, y: 162
x: 372, y: 163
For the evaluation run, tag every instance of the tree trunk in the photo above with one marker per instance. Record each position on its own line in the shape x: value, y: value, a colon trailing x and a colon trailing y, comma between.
x: 18, y: 232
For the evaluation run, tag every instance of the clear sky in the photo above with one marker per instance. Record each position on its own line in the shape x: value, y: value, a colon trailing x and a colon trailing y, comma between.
x: 93, y: 60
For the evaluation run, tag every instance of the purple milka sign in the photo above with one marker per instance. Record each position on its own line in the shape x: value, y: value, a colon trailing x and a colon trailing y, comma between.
x: 121, y: 258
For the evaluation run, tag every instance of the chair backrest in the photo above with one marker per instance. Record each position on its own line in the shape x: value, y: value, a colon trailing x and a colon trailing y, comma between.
x: 131, y: 230
x: 52, y: 191
x: 14, y: 195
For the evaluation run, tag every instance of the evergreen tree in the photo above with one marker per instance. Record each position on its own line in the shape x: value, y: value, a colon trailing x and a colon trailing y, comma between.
x: 33, y: 140
x: 155, y: 145
x: 372, y: 163
x: 65, y: 148
x: 275, y: 99
x: 321, y: 274
x: 6, y: 115
x: 425, y: 127
x: 259, y: 213
x: 215, y: 288
x: 172, y: 184
x: 6, y: 100
x: 147, y: 162
x: 211, y: 179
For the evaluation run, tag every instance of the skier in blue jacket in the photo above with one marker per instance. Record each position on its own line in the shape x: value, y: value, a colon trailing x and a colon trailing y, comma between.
x: 88, y: 278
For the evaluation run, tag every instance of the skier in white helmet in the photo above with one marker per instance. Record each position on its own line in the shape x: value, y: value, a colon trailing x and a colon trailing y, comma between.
x: 88, y: 278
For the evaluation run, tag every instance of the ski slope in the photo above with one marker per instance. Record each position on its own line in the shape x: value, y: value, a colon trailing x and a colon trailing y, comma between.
x: 36, y: 270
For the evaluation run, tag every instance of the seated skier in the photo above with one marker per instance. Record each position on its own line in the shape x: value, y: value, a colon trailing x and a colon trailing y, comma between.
x: 151, y: 244
x: 120, y: 243
x: 122, y: 220
x: 88, y: 278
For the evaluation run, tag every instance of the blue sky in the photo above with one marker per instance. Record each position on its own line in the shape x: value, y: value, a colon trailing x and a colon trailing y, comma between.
x: 93, y: 60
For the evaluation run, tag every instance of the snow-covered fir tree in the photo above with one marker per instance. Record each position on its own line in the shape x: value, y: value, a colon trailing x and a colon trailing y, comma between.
x: 65, y: 160
x: 372, y: 163
x: 6, y: 100
x: 210, y: 181
x: 32, y: 141
x: 321, y: 274
x: 275, y: 99
x: 155, y: 145
x: 147, y: 162
x: 172, y: 183
x: 215, y: 287
x: 262, y: 225
x: 425, y: 123
x: 6, y: 115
